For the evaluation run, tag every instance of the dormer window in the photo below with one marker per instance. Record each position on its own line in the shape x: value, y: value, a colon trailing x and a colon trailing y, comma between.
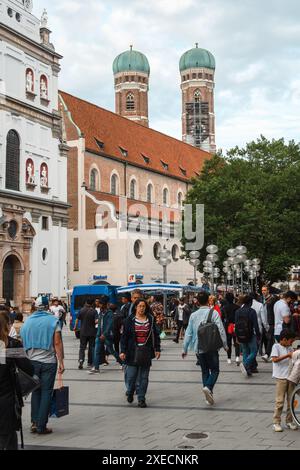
x: 165, y: 165
x: 183, y: 171
x: 146, y: 159
x: 124, y: 152
x: 99, y: 143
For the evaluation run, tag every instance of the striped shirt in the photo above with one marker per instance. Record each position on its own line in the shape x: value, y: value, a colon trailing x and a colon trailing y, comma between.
x: 142, y: 331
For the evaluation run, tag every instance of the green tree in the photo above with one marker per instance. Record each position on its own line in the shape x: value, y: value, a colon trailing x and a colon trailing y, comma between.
x: 252, y: 196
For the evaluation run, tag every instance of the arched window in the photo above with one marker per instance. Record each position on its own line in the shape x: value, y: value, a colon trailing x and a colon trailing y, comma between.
x: 12, y: 161
x: 114, y: 185
x: 180, y: 200
x: 156, y: 250
x: 175, y: 253
x: 103, y: 252
x: 44, y: 87
x: 130, y: 102
x: 133, y: 189
x: 29, y: 81
x: 197, y: 96
x: 149, y: 193
x: 94, y: 180
x: 166, y: 197
x: 138, y: 249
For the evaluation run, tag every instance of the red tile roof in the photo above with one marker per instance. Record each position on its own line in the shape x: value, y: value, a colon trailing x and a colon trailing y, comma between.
x: 117, y: 132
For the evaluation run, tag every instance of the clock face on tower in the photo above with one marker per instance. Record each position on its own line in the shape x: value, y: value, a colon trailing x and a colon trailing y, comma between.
x: 28, y: 5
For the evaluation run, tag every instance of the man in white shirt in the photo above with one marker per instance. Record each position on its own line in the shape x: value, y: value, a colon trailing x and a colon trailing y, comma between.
x: 58, y: 311
x: 282, y: 312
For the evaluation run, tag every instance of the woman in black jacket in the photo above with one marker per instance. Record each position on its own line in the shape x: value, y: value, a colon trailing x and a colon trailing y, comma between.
x: 140, y: 343
x: 228, y: 313
x: 10, y: 399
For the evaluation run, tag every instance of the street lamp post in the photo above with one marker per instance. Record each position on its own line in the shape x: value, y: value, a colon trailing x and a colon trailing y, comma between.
x: 195, y: 262
x: 164, y: 261
x: 212, y: 258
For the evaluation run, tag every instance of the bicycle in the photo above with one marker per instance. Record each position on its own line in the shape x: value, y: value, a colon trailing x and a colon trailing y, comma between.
x: 295, y: 405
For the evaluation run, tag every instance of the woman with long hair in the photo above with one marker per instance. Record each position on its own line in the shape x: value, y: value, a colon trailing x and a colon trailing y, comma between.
x: 10, y: 399
x: 140, y: 343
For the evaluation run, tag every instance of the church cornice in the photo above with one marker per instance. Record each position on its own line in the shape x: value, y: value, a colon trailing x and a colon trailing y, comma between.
x: 31, y: 47
x: 13, y: 105
x: 30, y: 202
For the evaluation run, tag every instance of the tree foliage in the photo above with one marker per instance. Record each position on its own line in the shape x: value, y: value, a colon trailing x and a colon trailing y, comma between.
x: 252, y: 196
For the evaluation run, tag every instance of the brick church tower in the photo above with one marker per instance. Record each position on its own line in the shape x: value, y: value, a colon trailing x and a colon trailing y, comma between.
x: 197, y: 69
x: 131, y: 72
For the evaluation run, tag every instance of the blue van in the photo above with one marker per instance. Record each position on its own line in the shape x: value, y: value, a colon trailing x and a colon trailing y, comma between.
x: 80, y: 295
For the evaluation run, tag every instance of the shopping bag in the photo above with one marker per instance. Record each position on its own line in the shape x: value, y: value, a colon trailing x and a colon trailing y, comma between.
x: 60, y: 401
x: 163, y: 335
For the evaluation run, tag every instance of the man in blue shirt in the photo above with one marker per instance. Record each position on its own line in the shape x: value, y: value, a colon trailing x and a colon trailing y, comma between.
x: 209, y: 362
x: 41, y: 336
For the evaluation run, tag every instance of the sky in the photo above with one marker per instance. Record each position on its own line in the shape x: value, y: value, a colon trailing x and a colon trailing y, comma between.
x: 256, y: 44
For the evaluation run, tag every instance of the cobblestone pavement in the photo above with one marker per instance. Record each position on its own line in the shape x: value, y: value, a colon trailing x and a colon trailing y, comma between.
x: 100, y: 417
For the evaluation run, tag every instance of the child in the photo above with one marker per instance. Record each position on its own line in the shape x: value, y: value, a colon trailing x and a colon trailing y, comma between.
x: 281, y: 354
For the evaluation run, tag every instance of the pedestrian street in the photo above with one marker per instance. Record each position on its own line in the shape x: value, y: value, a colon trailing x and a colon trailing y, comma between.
x: 100, y: 417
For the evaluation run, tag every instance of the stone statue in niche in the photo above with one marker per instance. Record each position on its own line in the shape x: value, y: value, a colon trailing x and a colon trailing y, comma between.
x: 30, y: 172
x: 44, y: 176
x: 44, y: 89
x: 29, y: 81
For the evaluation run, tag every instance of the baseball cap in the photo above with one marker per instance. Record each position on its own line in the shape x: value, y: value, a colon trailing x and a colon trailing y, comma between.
x: 41, y: 301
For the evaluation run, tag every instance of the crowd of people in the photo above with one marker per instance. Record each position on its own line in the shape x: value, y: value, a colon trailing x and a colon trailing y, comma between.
x: 132, y: 332
x: 268, y: 325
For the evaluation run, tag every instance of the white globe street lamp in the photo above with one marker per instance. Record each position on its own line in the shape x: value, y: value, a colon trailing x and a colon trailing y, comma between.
x: 212, y: 249
x: 164, y: 261
x: 195, y: 262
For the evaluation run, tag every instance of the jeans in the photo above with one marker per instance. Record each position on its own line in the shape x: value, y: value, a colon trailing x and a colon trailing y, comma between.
x: 84, y: 341
x: 137, y: 379
x: 231, y: 338
x: 179, y: 328
x: 41, y: 398
x: 101, y: 348
x: 9, y: 442
x: 264, y: 342
x: 249, y: 351
x: 271, y: 340
x: 210, y: 365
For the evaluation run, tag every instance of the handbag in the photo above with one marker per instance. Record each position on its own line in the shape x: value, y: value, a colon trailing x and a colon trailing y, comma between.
x: 231, y: 328
x: 142, y: 355
x: 60, y: 400
x: 26, y: 383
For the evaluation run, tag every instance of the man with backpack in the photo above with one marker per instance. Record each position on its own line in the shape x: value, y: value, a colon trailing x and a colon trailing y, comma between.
x: 205, y: 335
x: 248, y: 334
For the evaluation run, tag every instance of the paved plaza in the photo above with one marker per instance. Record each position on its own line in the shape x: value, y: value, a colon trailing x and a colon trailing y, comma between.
x: 100, y: 417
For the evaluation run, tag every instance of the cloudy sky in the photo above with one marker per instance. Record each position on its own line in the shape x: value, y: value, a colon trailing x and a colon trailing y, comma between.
x: 256, y: 44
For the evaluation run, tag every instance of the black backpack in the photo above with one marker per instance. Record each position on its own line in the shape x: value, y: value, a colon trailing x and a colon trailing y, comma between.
x: 243, y: 326
x: 209, y: 338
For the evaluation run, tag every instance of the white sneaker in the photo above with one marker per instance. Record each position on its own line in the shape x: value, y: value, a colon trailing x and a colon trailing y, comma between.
x: 237, y: 360
x: 208, y: 395
x: 243, y: 369
x: 265, y: 358
x: 94, y: 371
x: 207, y: 402
x: 228, y: 361
x: 277, y: 428
x: 292, y: 426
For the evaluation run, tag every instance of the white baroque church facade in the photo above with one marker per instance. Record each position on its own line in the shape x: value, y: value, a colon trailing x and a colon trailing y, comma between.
x: 33, y: 160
